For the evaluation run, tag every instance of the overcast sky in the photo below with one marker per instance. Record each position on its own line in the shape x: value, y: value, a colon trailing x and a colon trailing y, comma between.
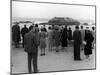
x: 44, y: 10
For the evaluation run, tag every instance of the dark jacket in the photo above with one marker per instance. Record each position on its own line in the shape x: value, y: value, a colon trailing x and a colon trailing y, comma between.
x: 16, y: 33
x: 69, y: 34
x: 31, y: 42
x: 24, y: 31
x: 31, y: 27
x: 88, y: 47
x: 64, y: 37
x: 77, y: 37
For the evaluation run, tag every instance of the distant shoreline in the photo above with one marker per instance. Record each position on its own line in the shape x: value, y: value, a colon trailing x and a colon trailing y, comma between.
x: 45, y: 19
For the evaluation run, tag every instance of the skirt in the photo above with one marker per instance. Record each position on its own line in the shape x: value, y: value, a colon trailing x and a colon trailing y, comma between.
x: 42, y: 43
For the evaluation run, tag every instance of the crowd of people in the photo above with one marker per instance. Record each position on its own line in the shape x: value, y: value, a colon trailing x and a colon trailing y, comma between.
x: 56, y: 36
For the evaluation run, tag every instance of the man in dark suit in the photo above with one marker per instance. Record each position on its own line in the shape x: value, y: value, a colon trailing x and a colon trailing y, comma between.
x: 77, y: 43
x: 16, y: 34
x: 31, y: 42
x: 24, y: 30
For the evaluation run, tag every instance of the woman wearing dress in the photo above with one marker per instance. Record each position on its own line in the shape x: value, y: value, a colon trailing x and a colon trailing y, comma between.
x: 64, y: 37
x: 57, y: 39
x: 70, y: 35
x: 50, y: 38
x: 42, y: 42
x: 88, y: 47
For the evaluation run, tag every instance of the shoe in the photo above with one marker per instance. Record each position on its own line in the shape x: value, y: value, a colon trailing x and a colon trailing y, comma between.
x: 30, y: 72
x: 41, y: 54
x: 78, y: 59
x: 57, y: 51
x: 36, y: 71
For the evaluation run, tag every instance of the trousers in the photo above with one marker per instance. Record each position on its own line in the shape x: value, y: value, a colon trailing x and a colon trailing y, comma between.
x: 32, y: 61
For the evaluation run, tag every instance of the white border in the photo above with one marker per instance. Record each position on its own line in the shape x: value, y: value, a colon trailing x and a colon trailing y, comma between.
x: 5, y: 37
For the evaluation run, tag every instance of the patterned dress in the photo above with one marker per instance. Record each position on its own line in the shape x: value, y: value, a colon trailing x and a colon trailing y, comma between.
x: 42, y: 39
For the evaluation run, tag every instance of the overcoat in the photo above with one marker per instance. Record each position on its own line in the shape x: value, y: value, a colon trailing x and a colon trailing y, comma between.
x: 24, y: 31
x: 16, y: 33
x: 31, y: 42
x: 69, y: 34
x: 64, y: 37
x: 88, y: 47
x: 77, y: 42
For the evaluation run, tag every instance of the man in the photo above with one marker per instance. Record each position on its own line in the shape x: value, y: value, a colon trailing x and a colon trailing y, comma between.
x: 82, y: 37
x: 23, y: 32
x: 31, y: 27
x: 16, y: 35
x: 77, y: 42
x: 31, y: 42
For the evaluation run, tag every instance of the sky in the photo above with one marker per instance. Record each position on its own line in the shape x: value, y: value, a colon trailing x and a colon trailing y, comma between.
x: 45, y: 10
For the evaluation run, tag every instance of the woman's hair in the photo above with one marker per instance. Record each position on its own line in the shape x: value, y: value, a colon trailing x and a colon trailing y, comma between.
x: 36, y: 25
x: 81, y: 27
x: 77, y: 27
x: 49, y: 28
x: 69, y: 27
x: 87, y: 27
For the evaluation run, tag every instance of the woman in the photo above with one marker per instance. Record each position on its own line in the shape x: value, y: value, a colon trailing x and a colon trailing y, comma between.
x: 42, y: 36
x: 50, y: 39
x: 88, y: 39
x: 69, y: 35
x: 57, y: 39
x: 64, y: 37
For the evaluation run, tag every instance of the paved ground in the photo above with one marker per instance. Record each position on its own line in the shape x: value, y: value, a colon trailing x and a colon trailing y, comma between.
x: 53, y: 61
